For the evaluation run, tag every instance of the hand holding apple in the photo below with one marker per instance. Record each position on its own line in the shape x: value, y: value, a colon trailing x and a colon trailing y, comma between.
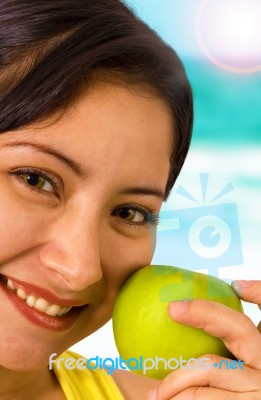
x: 143, y: 327
x: 241, y: 337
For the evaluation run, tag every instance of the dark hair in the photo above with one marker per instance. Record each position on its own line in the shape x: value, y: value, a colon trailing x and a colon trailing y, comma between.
x: 52, y: 51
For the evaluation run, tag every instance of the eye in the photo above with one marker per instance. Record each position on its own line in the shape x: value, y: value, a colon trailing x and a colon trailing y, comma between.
x: 37, y: 180
x: 136, y: 215
x: 131, y: 215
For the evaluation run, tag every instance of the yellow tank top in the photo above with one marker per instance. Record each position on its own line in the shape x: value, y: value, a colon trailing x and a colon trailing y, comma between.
x: 85, y: 384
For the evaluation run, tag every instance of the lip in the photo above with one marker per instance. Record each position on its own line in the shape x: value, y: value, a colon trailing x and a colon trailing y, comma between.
x: 40, y: 318
x: 44, y: 293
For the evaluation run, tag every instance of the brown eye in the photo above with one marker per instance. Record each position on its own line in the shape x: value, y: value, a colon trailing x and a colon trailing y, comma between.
x: 130, y: 214
x: 37, y: 180
x: 136, y: 215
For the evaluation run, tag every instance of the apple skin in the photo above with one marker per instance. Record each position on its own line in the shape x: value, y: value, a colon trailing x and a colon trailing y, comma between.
x: 142, y: 326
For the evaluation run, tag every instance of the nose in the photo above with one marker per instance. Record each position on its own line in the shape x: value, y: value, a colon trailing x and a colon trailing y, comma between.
x: 72, y: 250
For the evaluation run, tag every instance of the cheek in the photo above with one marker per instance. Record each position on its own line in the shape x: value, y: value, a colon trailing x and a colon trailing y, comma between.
x: 19, y: 227
x: 122, y: 256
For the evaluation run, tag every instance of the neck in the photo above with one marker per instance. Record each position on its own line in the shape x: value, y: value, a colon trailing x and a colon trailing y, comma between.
x: 17, y: 385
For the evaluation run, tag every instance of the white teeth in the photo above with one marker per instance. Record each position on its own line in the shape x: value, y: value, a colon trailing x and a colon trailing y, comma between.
x: 21, y: 293
x: 62, y: 311
x: 53, y: 310
x: 10, y: 284
x: 57, y: 310
x: 39, y: 303
x: 30, y: 300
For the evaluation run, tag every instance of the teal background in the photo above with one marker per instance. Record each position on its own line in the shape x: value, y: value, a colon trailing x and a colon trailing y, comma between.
x: 227, y: 105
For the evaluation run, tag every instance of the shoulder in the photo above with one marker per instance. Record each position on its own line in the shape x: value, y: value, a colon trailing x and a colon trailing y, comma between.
x: 132, y: 385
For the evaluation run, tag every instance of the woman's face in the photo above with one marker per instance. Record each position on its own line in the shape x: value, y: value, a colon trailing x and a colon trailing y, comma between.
x: 75, y: 196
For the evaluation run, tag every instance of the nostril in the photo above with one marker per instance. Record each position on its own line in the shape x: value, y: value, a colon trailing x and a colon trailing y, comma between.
x: 79, y: 282
x: 77, y: 265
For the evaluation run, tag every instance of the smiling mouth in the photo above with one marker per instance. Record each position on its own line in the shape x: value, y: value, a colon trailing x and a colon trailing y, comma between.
x: 36, y: 302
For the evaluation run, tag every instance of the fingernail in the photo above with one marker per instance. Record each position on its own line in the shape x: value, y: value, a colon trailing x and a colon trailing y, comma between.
x: 180, y: 306
x: 152, y: 395
x: 238, y: 286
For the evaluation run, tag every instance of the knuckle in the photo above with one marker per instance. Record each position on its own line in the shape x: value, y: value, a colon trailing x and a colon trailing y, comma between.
x: 195, y: 393
x: 245, y: 325
x: 255, y: 396
x: 208, y: 305
x: 164, y: 386
x: 212, y: 357
x: 247, y: 321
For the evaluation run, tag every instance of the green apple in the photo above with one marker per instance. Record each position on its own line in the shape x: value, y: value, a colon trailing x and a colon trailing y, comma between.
x: 143, y: 329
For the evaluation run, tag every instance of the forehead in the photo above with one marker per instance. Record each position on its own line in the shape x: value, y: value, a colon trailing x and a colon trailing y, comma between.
x: 107, y: 103
x: 110, y: 126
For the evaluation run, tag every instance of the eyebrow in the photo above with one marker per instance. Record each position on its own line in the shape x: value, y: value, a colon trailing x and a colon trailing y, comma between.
x: 144, y: 190
x: 82, y: 172
x: 72, y: 164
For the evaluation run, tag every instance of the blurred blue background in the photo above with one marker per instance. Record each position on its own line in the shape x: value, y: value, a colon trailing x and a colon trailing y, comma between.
x: 227, y: 105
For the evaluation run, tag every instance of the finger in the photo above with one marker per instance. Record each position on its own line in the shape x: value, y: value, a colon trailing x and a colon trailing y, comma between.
x: 202, y: 393
x: 237, y: 378
x: 248, y: 291
x: 237, y: 331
